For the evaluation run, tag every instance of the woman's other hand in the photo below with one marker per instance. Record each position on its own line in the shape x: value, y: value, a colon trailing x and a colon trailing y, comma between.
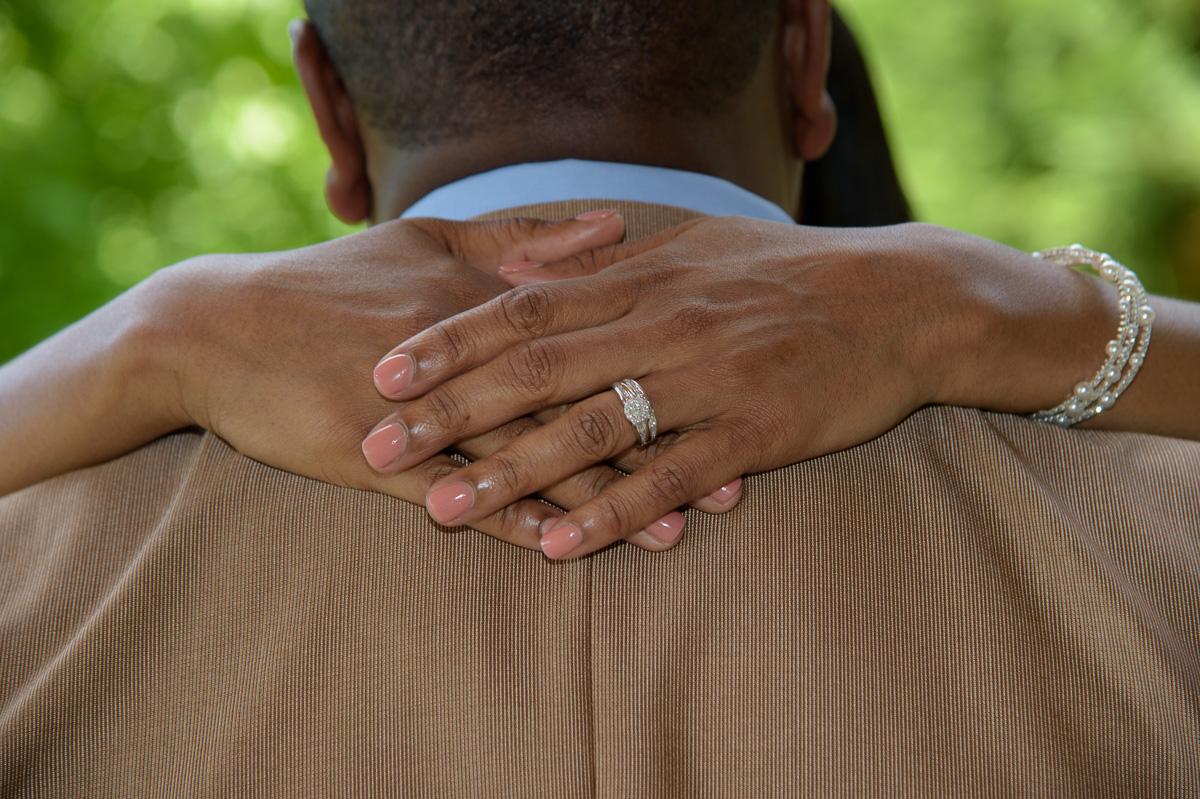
x: 273, y: 353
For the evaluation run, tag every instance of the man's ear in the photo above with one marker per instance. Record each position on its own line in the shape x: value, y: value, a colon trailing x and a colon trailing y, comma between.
x: 347, y: 185
x: 806, y: 43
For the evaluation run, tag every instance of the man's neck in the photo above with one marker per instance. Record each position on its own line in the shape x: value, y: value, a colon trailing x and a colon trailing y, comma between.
x: 401, y: 177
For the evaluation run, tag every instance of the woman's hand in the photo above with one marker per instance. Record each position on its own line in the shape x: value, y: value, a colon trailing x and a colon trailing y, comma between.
x: 759, y: 345
x: 272, y: 352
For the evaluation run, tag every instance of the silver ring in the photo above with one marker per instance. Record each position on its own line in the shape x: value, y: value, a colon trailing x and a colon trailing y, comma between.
x: 637, y: 410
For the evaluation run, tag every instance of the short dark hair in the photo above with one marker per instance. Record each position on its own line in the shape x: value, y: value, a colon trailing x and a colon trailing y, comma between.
x: 423, y: 71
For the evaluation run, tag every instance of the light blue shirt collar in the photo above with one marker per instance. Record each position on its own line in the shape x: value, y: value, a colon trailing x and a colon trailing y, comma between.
x: 558, y: 181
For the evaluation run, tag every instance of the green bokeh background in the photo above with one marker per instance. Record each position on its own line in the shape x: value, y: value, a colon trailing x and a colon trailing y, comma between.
x: 137, y: 133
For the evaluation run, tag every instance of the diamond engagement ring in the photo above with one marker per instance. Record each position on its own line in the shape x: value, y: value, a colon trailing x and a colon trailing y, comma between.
x: 637, y: 410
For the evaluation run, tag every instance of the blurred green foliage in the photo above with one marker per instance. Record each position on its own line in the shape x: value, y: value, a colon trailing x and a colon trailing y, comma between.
x: 137, y: 133
x: 1041, y: 123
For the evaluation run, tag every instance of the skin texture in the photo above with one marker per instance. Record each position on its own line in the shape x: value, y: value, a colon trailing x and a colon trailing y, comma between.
x: 896, y: 318
x: 816, y: 340
x: 891, y: 321
x: 782, y: 119
x: 274, y: 352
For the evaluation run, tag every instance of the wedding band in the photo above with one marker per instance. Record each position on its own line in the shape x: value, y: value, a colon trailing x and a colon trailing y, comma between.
x: 637, y: 410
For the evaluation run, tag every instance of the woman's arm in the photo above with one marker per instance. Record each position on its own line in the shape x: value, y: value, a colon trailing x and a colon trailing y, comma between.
x: 1031, y: 330
x: 87, y: 394
x: 271, y: 352
x: 760, y: 345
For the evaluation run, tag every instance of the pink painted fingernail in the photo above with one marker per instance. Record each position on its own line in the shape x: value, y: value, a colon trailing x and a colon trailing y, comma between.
x: 394, y: 374
x: 519, y: 266
x: 549, y: 524
x: 725, y: 494
x: 561, y: 541
x: 668, y: 528
x: 593, y: 215
x: 384, y: 446
x: 447, y: 503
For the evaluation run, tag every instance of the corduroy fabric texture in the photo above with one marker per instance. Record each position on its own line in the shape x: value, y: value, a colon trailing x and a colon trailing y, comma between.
x: 972, y: 605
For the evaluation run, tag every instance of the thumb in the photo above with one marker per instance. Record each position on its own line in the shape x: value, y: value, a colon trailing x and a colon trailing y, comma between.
x: 586, y: 262
x: 487, y: 245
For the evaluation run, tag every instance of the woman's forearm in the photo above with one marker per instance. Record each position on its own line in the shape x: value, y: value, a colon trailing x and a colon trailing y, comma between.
x: 85, y: 395
x: 1030, y: 330
x: 1164, y: 398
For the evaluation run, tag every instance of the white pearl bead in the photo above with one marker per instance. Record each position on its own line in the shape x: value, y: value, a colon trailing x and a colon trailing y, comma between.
x: 1124, y: 353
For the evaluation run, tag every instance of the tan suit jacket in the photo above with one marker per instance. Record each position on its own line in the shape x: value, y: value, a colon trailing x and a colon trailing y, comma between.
x: 970, y: 605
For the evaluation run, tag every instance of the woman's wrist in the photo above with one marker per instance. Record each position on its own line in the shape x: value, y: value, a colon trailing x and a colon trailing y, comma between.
x: 944, y: 315
x: 92, y: 392
x: 147, y: 353
x: 1023, y: 331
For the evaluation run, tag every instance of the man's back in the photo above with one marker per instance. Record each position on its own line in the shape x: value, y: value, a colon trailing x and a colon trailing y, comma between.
x: 969, y: 604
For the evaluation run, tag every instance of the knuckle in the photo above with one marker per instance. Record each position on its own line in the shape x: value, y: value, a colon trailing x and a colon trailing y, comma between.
x: 594, y: 433
x: 452, y: 341
x: 615, y: 512
x: 659, y: 272
x: 752, y: 435
x: 522, y: 228
x: 586, y: 263
x: 504, y: 476
x: 507, y: 521
x: 445, y: 411
x: 691, y: 320
x: 526, y: 310
x: 533, y: 367
x: 669, y: 483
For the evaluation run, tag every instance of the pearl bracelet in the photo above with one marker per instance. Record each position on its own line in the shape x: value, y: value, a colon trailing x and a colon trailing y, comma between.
x: 1126, y: 352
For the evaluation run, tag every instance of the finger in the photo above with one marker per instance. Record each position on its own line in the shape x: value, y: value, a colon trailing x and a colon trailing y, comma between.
x: 519, y: 523
x: 664, y: 528
x: 487, y: 245
x: 722, y: 500
x: 474, y: 337
x: 589, y: 433
x: 585, y: 262
x: 529, y: 377
x: 689, y: 470
x: 532, y: 376
x: 464, y: 341
x: 567, y: 494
